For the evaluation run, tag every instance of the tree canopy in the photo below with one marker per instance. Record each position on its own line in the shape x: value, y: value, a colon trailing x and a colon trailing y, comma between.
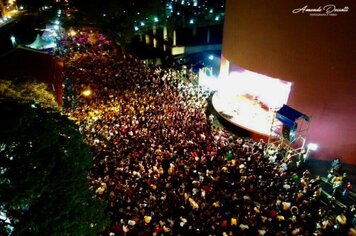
x: 27, y: 89
x: 44, y: 164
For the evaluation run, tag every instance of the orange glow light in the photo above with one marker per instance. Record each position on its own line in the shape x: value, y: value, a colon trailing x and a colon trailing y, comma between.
x: 87, y: 93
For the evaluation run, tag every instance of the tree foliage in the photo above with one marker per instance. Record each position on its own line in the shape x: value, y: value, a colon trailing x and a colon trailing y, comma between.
x: 44, y: 164
x: 35, y: 5
x: 28, y: 90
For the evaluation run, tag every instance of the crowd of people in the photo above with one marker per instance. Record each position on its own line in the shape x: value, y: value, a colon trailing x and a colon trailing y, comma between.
x: 338, y: 179
x: 165, y: 169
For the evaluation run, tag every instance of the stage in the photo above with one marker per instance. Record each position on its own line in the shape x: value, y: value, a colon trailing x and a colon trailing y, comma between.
x: 246, y: 100
x: 245, y: 112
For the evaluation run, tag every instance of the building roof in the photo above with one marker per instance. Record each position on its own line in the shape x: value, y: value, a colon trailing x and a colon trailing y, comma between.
x: 35, y: 64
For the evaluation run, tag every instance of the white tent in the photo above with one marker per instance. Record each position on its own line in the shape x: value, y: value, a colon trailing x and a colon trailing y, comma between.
x: 40, y: 43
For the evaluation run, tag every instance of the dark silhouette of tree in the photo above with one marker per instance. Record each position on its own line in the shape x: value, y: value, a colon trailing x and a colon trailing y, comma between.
x: 44, y: 163
x: 34, y: 4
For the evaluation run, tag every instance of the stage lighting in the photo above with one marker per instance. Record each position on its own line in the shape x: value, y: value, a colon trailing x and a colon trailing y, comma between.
x: 313, y: 146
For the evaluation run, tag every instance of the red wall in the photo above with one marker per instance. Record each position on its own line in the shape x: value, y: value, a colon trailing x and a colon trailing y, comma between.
x: 316, y: 53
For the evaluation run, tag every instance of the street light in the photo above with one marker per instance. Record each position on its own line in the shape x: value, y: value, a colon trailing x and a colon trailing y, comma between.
x: 72, y: 32
x: 75, y: 98
x: 86, y: 92
x: 311, y: 147
x: 13, y: 40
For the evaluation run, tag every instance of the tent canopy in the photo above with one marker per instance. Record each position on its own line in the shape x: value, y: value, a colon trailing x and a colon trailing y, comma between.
x: 40, y: 43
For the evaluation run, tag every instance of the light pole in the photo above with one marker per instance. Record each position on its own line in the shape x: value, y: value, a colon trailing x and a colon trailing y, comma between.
x: 74, y: 100
x: 311, y: 147
x: 13, y: 40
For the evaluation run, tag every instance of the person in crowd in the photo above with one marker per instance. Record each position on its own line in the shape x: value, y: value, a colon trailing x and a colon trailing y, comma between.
x: 347, y: 189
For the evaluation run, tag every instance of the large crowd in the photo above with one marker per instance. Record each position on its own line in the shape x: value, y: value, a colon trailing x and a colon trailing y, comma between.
x: 165, y: 169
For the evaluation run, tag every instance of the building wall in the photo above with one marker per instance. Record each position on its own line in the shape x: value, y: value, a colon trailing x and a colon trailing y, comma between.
x: 316, y: 53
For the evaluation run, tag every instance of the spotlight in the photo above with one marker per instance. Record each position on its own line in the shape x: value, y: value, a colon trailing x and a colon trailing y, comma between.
x: 313, y: 146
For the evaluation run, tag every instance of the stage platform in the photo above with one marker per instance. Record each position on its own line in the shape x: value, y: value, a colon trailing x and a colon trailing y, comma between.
x: 251, y: 117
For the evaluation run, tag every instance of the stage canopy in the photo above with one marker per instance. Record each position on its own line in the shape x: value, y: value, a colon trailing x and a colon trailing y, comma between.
x: 40, y: 43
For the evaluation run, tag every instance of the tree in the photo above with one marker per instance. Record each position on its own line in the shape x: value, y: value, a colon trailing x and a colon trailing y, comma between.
x: 44, y: 164
x: 27, y: 89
